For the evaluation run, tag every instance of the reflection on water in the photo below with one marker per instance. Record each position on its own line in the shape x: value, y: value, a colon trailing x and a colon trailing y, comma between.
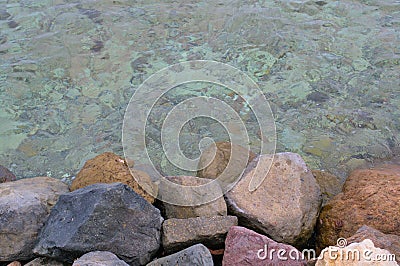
x: 68, y: 69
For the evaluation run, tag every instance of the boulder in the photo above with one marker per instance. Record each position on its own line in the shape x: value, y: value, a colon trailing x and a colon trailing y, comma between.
x: 106, y: 217
x: 191, y: 199
x: 6, y: 175
x: 370, y: 197
x: 110, y: 168
x: 246, y: 247
x: 178, y: 234
x: 24, y: 207
x: 356, y: 254
x: 286, y: 204
x: 329, y: 184
x: 197, y: 255
x: 212, y: 164
x: 99, y: 258
x: 384, y: 241
x: 45, y: 262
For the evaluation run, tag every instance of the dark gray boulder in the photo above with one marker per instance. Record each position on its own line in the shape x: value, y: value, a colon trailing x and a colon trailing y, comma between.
x: 197, y: 255
x: 102, y: 217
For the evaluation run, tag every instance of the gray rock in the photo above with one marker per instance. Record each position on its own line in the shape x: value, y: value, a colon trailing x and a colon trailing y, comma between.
x: 99, y: 258
x: 209, y: 231
x: 286, y: 204
x: 192, y: 198
x: 193, y: 256
x: 24, y: 207
x: 107, y: 217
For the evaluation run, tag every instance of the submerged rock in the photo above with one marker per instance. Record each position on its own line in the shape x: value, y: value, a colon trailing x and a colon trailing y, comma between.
x: 24, y: 207
x: 286, y: 204
x: 197, y: 255
x: 6, y: 175
x: 108, y: 217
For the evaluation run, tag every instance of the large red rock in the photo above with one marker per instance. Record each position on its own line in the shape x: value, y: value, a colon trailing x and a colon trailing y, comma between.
x: 110, y: 168
x: 370, y: 197
x: 286, y: 204
x: 246, y: 247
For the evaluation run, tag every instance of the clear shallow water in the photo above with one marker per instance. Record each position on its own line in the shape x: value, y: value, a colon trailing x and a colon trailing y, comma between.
x: 330, y: 71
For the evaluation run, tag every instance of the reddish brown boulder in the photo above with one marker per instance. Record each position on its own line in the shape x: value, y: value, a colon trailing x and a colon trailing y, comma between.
x: 384, y: 241
x: 370, y: 197
x: 221, y: 159
x: 246, y: 247
x: 6, y: 175
x: 110, y: 168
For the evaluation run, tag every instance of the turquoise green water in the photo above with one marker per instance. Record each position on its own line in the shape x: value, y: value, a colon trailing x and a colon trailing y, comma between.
x: 330, y: 71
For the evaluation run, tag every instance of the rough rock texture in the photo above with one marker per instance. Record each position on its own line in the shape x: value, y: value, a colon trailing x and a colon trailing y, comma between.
x: 286, y: 204
x: 6, y: 175
x: 246, y: 247
x: 107, y: 217
x: 99, y: 258
x: 14, y: 263
x: 329, y: 184
x: 220, y: 160
x: 370, y: 197
x: 384, y: 241
x: 45, y: 262
x: 197, y: 255
x: 178, y: 234
x: 355, y: 254
x: 110, y: 168
x: 214, y: 208
x: 24, y: 207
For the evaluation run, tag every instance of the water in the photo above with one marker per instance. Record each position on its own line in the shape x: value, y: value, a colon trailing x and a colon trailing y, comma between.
x: 330, y: 71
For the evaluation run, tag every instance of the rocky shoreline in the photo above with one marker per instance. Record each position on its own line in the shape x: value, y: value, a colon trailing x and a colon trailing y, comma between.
x: 106, y: 218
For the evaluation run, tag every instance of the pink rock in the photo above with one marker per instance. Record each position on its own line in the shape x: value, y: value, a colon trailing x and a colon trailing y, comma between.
x: 246, y: 247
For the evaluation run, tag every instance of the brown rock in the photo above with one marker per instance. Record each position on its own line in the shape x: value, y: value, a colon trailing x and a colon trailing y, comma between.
x: 286, y: 204
x: 370, y: 197
x: 6, y: 175
x: 329, y: 184
x: 246, y: 247
x: 110, y: 168
x: 209, y: 231
x: 221, y: 159
x: 381, y: 240
x: 191, y: 199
